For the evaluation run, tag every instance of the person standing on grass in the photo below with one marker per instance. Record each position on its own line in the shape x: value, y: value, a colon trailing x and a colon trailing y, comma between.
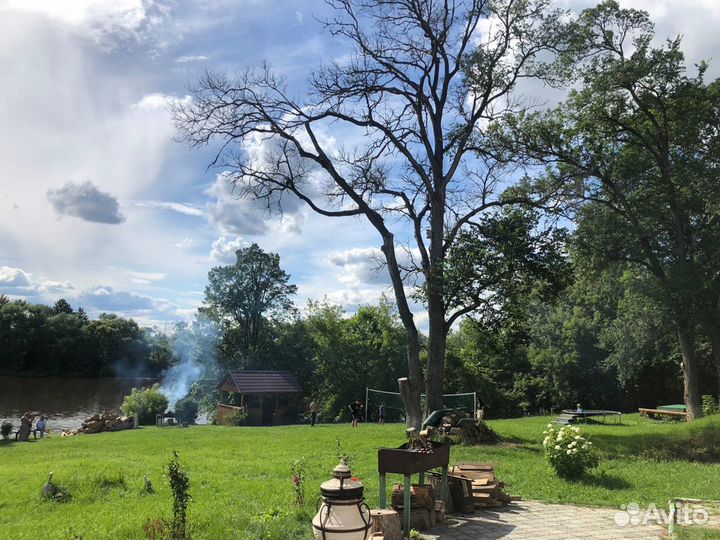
x: 381, y: 414
x: 313, y: 412
x: 41, y: 425
x: 355, y: 410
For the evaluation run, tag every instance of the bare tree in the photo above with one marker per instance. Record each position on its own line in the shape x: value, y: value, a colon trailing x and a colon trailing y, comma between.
x: 424, y: 80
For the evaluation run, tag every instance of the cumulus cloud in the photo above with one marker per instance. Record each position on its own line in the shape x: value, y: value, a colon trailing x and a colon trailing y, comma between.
x: 105, y: 23
x: 233, y: 215
x: 18, y: 282
x: 87, y: 202
x: 105, y: 298
x: 224, y: 248
x: 360, y: 265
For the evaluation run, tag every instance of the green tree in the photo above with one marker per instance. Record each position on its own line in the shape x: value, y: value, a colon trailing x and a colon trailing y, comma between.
x: 146, y: 403
x: 416, y: 95
x: 62, y: 306
x: 637, y: 145
x: 244, y: 295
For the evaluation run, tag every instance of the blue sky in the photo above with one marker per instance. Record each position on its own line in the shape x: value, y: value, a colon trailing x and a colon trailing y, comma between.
x: 99, y: 204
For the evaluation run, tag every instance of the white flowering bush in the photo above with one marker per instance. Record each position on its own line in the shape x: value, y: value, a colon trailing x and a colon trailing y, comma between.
x: 569, y: 453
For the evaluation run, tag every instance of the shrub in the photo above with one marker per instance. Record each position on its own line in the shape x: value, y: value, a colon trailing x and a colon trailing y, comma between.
x: 146, y: 402
x: 709, y: 405
x: 568, y: 452
x: 6, y: 429
x: 186, y: 410
x: 236, y: 419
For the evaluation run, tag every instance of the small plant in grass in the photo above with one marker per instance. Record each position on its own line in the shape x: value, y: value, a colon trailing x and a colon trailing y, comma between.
x: 6, y: 429
x: 416, y: 535
x: 157, y: 529
x: 341, y: 455
x: 54, y: 492
x: 298, y: 479
x: 569, y: 453
x: 180, y: 486
x: 709, y: 405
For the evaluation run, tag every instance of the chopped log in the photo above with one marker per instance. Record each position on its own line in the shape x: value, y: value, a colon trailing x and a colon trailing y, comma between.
x: 422, y: 519
x: 475, y: 466
x: 420, y: 496
x: 386, y: 524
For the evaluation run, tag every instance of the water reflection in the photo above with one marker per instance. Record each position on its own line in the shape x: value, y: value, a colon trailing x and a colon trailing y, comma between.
x: 66, y: 402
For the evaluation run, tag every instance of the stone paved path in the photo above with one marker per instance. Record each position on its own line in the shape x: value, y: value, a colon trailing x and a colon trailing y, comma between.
x: 530, y: 520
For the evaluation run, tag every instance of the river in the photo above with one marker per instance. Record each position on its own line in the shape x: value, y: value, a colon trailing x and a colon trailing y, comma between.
x: 65, y: 402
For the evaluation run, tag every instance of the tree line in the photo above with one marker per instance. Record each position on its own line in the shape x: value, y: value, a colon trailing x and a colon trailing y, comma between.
x: 583, y: 333
x: 59, y: 340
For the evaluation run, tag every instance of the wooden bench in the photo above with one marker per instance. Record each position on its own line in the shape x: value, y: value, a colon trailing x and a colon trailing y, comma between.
x: 662, y: 412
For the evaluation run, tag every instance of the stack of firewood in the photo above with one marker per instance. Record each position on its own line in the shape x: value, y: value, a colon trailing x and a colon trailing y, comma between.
x: 423, y: 514
x: 468, y: 430
x: 487, y: 490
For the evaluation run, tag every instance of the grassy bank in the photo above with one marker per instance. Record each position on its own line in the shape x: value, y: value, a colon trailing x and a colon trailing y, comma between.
x: 241, y: 482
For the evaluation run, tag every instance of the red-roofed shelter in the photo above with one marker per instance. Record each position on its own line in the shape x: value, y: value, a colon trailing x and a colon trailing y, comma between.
x: 264, y: 395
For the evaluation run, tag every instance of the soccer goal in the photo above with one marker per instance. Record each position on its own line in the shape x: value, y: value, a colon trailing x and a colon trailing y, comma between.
x: 395, y: 410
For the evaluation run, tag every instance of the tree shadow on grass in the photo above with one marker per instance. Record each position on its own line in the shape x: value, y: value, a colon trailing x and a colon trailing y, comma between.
x: 604, y: 480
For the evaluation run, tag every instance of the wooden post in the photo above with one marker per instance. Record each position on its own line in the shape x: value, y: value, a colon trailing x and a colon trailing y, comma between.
x: 383, y: 491
x: 406, y: 506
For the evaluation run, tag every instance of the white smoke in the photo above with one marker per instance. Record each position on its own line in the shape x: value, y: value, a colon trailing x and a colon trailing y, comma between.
x: 194, y: 348
x: 177, y: 380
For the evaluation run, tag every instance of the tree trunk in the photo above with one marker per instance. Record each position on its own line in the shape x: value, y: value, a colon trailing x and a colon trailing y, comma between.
x: 436, y: 356
x: 690, y: 366
x: 434, y: 275
x: 411, y: 390
x: 713, y: 334
x: 413, y: 410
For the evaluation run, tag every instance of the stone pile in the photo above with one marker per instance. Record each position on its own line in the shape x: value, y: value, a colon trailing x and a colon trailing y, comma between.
x: 107, y: 421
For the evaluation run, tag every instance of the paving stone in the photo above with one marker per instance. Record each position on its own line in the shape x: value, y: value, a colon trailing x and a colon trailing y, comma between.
x: 530, y: 520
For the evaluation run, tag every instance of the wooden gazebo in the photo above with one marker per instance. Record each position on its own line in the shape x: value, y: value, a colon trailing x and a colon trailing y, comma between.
x: 263, y: 395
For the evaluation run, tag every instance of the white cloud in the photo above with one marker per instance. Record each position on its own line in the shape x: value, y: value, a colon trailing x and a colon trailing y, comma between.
x: 107, y: 299
x: 192, y: 58
x: 184, y: 243
x: 87, y: 202
x: 224, y: 248
x: 181, y: 208
x: 17, y: 282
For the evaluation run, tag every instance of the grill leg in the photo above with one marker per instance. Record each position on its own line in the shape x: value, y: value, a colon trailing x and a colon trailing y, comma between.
x: 421, y: 479
x: 443, y: 485
x: 406, y: 506
x: 383, y: 491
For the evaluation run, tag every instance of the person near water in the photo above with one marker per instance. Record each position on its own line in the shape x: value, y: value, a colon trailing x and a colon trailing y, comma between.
x: 381, y: 414
x: 41, y: 426
x: 355, y: 410
x: 313, y: 412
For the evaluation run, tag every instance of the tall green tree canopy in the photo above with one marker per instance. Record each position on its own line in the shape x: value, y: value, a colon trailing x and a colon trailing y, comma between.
x: 245, y: 294
x: 637, y: 146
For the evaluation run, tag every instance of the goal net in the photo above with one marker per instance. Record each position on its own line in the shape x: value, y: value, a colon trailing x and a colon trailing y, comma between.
x: 395, y: 410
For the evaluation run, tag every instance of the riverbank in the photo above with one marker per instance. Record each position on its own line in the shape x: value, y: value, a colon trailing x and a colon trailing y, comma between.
x: 242, y: 486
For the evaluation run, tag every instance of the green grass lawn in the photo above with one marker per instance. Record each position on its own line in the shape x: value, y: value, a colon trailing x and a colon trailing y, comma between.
x: 241, y: 483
